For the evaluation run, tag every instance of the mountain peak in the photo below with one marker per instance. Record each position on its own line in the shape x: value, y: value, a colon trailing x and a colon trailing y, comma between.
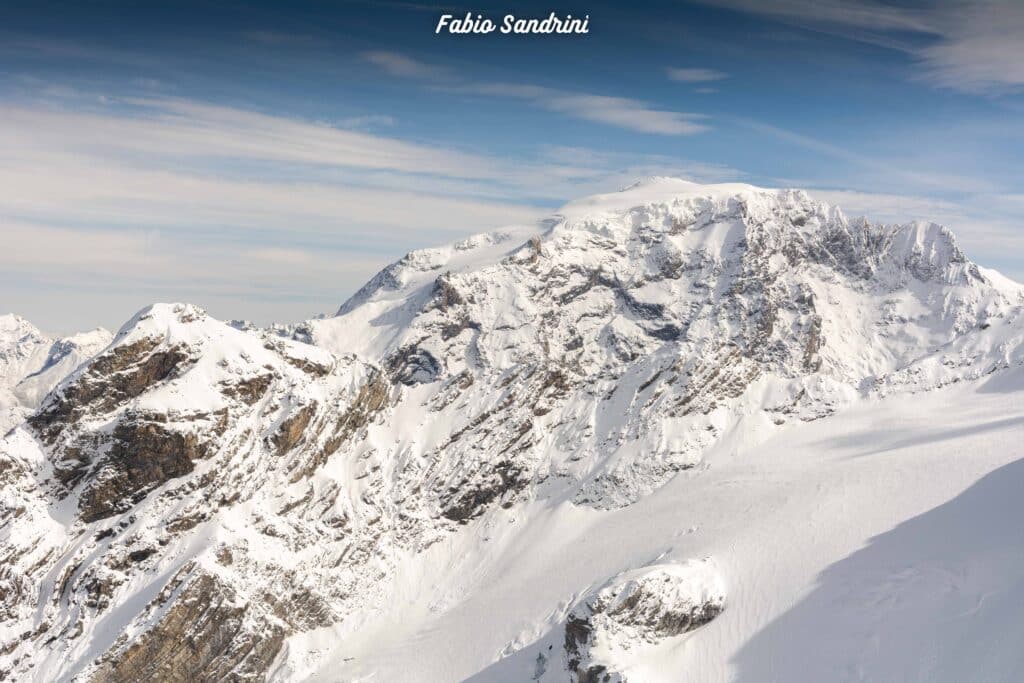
x: 13, y: 324
x: 657, y: 190
x: 163, y: 317
x: 690, y: 294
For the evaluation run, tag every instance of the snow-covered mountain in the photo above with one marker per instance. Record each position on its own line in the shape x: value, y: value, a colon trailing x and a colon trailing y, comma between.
x: 540, y: 453
x: 607, y: 351
x: 31, y: 364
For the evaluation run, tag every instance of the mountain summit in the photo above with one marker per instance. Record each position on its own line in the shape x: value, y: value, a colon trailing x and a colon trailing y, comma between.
x: 615, y: 344
x: 259, y: 494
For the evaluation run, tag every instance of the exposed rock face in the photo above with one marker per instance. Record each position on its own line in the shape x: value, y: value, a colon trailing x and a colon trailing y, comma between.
x: 119, y: 374
x: 291, y: 430
x: 205, y: 636
x: 249, y: 390
x: 642, y: 607
x: 370, y: 399
x: 143, y: 455
x: 161, y: 446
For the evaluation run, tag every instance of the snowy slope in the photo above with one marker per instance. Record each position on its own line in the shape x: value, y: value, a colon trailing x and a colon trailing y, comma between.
x: 617, y: 445
x: 23, y: 349
x: 861, y: 547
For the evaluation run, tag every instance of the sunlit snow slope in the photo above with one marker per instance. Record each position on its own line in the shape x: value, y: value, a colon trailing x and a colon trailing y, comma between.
x: 881, y: 544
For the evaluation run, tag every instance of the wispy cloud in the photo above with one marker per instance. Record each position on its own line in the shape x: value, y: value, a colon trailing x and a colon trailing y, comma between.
x: 891, y: 208
x: 96, y: 188
x: 621, y: 112
x: 404, y: 66
x: 280, y: 38
x: 187, y: 128
x: 980, y: 47
x: 693, y: 75
x: 890, y: 169
x: 866, y: 14
x: 966, y: 45
x: 367, y: 121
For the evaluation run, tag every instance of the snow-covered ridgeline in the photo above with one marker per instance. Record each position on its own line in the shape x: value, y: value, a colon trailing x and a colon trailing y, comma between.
x: 31, y: 364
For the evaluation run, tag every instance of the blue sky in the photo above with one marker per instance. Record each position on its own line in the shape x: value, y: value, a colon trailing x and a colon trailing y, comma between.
x: 263, y: 160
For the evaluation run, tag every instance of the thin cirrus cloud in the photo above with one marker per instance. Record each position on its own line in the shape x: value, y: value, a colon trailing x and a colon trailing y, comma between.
x: 971, y: 46
x: 894, y: 172
x: 887, y: 207
x: 980, y: 51
x: 194, y: 134
x: 398, y: 64
x: 865, y: 14
x: 621, y: 112
x: 694, y: 75
x: 367, y: 121
x: 163, y: 161
x: 188, y: 128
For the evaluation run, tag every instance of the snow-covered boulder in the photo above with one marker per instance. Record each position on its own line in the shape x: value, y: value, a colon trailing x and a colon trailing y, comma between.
x: 634, y: 612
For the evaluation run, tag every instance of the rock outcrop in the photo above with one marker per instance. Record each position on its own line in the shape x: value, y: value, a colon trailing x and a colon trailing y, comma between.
x: 641, y: 607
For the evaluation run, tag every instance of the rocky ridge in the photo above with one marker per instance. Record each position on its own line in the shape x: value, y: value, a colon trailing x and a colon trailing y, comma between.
x: 178, y: 469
